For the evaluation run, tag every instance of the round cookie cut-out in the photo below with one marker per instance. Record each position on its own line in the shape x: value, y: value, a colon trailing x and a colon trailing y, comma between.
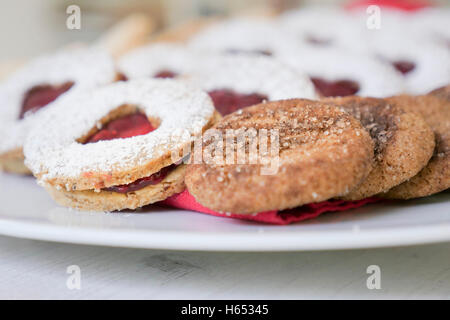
x: 115, y: 150
x: 37, y: 86
x: 321, y: 153
x: 403, y: 141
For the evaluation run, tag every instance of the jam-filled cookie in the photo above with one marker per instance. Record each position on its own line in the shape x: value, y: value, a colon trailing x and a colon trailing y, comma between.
x: 338, y: 73
x: 315, y: 152
x: 435, y: 177
x: 39, y: 84
x: 114, y: 148
x: 324, y: 26
x: 158, y: 60
x: 239, y: 81
x: 232, y: 81
x: 255, y: 36
x: 404, y: 142
x: 423, y: 66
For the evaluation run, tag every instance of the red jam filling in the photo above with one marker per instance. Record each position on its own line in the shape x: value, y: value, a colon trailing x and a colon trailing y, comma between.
x: 404, y: 66
x: 339, y: 88
x: 228, y: 101
x: 143, y: 182
x: 126, y: 127
x: 39, y: 96
x: 166, y: 74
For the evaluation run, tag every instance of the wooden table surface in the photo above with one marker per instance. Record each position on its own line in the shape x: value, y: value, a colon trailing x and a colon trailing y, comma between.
x: 38, y: 270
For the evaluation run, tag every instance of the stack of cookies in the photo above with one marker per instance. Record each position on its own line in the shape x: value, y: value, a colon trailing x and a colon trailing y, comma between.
x: 247, y: 115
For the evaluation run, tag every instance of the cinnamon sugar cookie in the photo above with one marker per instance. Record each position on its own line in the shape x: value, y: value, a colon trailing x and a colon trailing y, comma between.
x: 403, y: 142
x: 435, y: 177
x: 112, y: 148
x: 323, y: 153
x: 39, y: 84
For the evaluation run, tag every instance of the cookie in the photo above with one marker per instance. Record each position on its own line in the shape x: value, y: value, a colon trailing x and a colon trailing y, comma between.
x: 233, y: 81
x: 337, y: 72
x: 317, y: 152
x: 240, y: 80
x: 435, y: 177
x: 404, y: 142
x: 317, y: 26
x: 250, y: 35
x: 37, y: 85
x: 423, y: 65
x: 119, y: 146
x: 158, y: 60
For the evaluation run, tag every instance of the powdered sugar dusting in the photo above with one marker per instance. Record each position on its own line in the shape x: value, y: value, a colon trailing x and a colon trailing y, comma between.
x: 147, y: 61
x: 375, y: 78
x: 244, y: 35
x: 247, y: 74
x: 51, y: 148
x: 86, y: 67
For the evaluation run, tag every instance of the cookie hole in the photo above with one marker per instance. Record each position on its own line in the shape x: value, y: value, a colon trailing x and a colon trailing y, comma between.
x: 338, y: 88
x: 165, y: 74
x: 126, y: 121
x: 228, y: 101
x: 41, y: 95
x: 404, y: 66
x: 318, y: 41
x: 258, y: 52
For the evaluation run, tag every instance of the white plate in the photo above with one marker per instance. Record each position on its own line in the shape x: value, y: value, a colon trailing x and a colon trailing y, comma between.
x: 27, y: 211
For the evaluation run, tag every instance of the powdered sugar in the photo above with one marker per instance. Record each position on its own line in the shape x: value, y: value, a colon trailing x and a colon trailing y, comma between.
x: 51, y: 148
x: 375, y: 78
x: 86, y: 67
x: 251, y: 35
x: 247, y: 74
x: 243, y: 73
x: 149, y: 60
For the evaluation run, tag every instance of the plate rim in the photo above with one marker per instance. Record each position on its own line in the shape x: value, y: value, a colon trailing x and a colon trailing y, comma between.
x: 232, y: 242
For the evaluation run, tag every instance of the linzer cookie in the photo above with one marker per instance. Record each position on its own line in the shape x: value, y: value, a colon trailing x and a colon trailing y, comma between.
x: 321, y: 153
x: 39, y: 84
x: 112, y: 148
x: 241, y: 80
x: 255, y: 36
x: 337, y: 73
x: 404, y: 142
x: 435, y: 177
x: 158, y: 60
